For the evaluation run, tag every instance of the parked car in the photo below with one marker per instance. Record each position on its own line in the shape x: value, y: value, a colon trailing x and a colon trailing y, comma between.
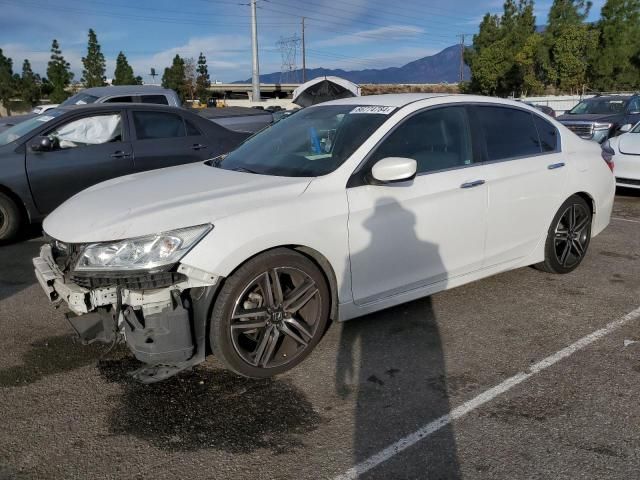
x: 244, y: 119
x: 601, y: 117
x: 44, y: 108
x: 624, y: 152
x: 113, y: 94
x: 346, y: 208
x: 51, y: 157
x: 543, y: 108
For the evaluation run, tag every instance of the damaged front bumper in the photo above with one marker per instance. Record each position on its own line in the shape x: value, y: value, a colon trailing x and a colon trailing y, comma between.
x: 163, y: 327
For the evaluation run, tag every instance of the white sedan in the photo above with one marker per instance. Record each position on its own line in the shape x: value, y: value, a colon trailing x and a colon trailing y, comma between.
x: 624, y: 152
x: 343, y: 209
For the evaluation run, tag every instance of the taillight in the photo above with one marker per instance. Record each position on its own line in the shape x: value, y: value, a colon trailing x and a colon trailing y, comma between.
x: 608, y: 153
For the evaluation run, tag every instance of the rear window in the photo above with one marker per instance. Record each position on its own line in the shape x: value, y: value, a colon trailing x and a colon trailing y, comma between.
x: 157, y: 99
x: 508, y: 132
x: 192, y: 130
x: 158, y: 125
x: 547, y: 133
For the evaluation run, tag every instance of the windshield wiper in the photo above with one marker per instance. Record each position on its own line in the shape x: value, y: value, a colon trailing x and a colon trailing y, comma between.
x: 215, y: 162
x: 245, y: 170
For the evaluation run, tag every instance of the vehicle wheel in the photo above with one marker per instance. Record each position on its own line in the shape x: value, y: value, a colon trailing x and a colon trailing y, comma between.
x: 270, y: 314
x: 568, y: 238
x: 10, y: 218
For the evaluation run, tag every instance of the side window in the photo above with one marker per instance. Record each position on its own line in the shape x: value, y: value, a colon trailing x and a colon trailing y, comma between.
x: 125, y: 99
x: 192, y: 130
x: 547, y: 134
x: 436, y: 139
x: 508, y: 132
x: 87, y: 131
x: 158, y: 99
x: 158, y: 125
x: 634, y: 105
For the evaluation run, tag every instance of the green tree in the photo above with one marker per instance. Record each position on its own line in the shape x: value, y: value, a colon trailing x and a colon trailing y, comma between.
x: 492, y: 59
x: 29, y: 88
x: 530, y: 67
x: 94, y: 63
x: 7, y: 82
x: 123, y: 74
x: 59, y: 74
x: 619, y: 42
x: 564, y: 18
x: 174, y: 77
x: 202, y: 81
x: 570, y: 55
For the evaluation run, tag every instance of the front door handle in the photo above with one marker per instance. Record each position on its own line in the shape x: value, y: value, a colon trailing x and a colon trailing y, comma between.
x: 475, y: 183
x: 198, y: 146
x: 120, y: 154
x: 553, y: 166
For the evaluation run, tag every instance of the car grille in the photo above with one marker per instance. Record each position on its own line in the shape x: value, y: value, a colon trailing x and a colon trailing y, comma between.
x: 133, y: 280
x: 584, y: 130
x: 628, y: 181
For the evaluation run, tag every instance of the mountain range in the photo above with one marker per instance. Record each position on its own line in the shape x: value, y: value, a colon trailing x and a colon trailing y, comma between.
x: 442, y: 67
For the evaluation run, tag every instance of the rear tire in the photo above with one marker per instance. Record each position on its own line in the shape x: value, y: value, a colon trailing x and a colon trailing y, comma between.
x: 568, y: 237
x: 270, y: 314
x: 10, y: 218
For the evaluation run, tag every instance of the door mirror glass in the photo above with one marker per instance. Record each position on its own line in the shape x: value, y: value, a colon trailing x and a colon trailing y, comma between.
x: 394, y: 169
x: 625, y: 128
x: 42, y: 144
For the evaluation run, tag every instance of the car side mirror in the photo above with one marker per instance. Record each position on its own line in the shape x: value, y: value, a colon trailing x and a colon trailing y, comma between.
x: 42, y: 144
x: 625, y: 128
x: 394, y: 169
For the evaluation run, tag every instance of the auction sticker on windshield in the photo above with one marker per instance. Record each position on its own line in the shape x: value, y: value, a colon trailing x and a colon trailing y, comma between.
x: 373, y: 109
x: 45, y: 118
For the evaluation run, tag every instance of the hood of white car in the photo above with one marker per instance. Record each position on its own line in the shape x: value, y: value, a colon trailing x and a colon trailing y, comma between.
x: 162, y: 200
x: 629, y: 143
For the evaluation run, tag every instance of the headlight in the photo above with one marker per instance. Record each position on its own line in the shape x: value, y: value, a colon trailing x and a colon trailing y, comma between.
x: 602, y: 126
x: 141, y: 253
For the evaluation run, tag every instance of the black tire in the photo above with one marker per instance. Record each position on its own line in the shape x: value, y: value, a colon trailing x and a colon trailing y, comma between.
x: 288, y: 334
x: 10, y: 218
x: 568, y: 237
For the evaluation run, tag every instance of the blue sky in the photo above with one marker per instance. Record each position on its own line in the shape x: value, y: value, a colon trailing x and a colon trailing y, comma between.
x: 349, y: 34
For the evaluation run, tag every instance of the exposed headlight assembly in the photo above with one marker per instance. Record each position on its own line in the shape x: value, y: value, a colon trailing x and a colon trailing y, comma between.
x: 602, y: 126
x: 141, y: 253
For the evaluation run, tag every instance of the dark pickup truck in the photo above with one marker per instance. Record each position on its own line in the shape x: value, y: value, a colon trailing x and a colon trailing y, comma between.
x: 601, y: 117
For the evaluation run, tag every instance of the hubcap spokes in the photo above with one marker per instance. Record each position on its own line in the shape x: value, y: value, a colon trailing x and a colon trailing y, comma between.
x: 275, y: 317
x: 571, y: 235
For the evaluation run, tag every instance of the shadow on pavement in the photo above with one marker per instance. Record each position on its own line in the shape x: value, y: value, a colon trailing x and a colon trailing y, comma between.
x: 214, y: 409
x: 391, y: 364
x: 49, y: 356
x: 16, y: 272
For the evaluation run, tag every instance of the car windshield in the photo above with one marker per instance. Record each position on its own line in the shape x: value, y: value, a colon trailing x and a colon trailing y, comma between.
x: 80, y: 99
x: 636, y: 129
x: 598, y: 106
x: 23, y: 128
x: 313, y: 142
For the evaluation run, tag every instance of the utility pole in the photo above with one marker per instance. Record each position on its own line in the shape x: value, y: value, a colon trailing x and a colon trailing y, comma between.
x: 461, y: 58
x: 304, y: 55
x: 255, y: 71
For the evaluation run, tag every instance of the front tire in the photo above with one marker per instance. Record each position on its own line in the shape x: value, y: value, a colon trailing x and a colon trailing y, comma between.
x: 10, y: 218
x: 568, y: 237
x: 270, y: 314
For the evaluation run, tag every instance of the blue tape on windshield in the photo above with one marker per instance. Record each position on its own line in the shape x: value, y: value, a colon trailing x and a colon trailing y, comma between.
x: 315, y: 140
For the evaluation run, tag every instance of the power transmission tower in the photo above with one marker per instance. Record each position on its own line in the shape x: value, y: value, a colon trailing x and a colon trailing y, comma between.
x: 462, y: 47
x: 289, y: 47
x: 304, y: 55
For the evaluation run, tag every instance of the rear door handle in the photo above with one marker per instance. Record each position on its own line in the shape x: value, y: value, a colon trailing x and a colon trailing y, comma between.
x: 120, y: 154
x: 198, y: 146
x: 475, y: 183
x: 553, y: 166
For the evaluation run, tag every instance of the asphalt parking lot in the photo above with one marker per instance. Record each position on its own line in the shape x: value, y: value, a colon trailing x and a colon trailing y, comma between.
x: 68, y: 413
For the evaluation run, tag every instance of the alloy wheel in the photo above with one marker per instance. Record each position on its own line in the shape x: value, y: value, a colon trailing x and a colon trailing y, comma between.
x: 571, y: 235
x: 275, y: 317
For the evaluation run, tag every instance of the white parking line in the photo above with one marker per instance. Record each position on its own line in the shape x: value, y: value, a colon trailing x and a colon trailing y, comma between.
x: 625, y: 219
x: 484, y: 397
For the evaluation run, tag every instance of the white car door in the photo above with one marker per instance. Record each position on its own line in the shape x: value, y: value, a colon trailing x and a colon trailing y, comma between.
x: 525, y: 177
x: 407, y: 235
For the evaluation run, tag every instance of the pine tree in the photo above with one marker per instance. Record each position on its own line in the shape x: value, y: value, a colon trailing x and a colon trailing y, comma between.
x: 619, y: 41
x: 7, y: 82
x: 94, y: 63
x: 174, y: 77
x: 202, y: 81
x: 29, y: 88
x: 123, y: 74
x: 58, y: 74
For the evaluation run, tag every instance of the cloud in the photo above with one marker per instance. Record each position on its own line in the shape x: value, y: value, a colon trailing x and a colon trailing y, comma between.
x: 389, y: 33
